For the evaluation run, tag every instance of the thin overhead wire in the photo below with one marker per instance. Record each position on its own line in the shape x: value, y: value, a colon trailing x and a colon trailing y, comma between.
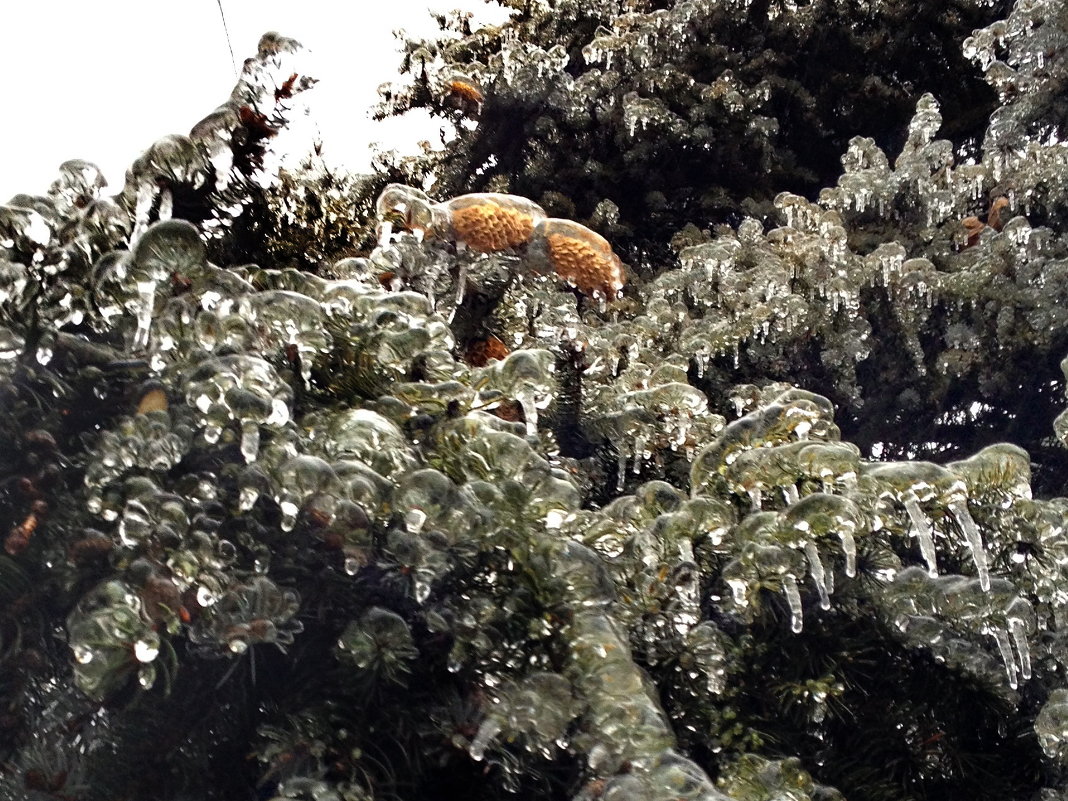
x: 226, y: 31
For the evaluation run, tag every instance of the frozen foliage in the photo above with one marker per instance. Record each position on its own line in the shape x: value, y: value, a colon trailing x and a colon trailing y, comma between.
x: 764, y: 512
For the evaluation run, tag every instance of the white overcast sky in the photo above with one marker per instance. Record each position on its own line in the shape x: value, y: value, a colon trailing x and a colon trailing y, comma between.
x: 101, y: 80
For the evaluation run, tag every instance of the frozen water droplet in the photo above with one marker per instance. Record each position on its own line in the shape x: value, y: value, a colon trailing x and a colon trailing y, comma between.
x: 414, y: 520
x: 289, y: 515
x: 82, y: 655
x: 739, y: 590
x: 1051, y: 724
x: 146, y: 676
x: 205, y: 597
x: 793, y: 600
x: 421, y: 588
x: 250, y: 440
x: 849, y: 548
x: 146, y: 650
x: 212, y: 432
x: 247, y: 498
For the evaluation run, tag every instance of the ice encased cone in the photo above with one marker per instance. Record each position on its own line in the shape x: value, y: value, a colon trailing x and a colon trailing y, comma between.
x: 579, y: 256
x: 488, y: 222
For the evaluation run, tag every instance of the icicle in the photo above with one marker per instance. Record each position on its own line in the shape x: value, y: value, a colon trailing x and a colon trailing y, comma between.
x: 166, y: 204
x: 791, y: 494
x: 849, y: 548
x: 621, y: 469
x: 307, y: 356
x: 688, y: 613
x: 639, y: 453
x: 489, y: 729
x: 1005, y: 648
x: 681, y: 433
x: 247, y: 498
x: 289, y: 515
x: 819, y: 575
x: 146, y: 193
x: 530, y: 411
x: 924, y: 533
x: 250, y: 439
x: 420, y: 586
x: 755, y: 497
x: 1019, y: 638
x: 147, y: 295
x: 959, y: 510
x: 461, y: 285
x: 385, y: 229
x: 739, y: 590
x: 793, y: 600
x: 702, y: 362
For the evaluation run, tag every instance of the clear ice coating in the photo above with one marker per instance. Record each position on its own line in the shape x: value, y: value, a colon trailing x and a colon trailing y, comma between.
x: 379, y: 642
x: 953, y: 615
x: 247, y: 614
x: 1051, y: 726
x: 341, y: 415
x: 526, y: 377
x: 535, y: 711
x: 167, y: 249
x: 103, y: 630
x: 238, y: 388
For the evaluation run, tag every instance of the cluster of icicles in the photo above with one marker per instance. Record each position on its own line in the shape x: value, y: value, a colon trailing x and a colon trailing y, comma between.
x: 810, y: 494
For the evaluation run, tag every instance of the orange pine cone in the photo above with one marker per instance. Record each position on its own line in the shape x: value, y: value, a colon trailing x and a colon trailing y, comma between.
x: 488, y: 222
x: 464, y: 90
x: 580, y: 256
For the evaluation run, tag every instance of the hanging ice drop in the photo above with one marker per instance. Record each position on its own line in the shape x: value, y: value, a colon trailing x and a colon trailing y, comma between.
x: 489, y: 729
x: 819, y: 575
x: 146, y: 291
x: 849, y: 548
x: 1019, y: 638
x: 525, y: 398
x: 793, y: 600
x: 250, y: 439
x: 1005, y: 650
x: 924, y: 532
x: 959, y: 510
